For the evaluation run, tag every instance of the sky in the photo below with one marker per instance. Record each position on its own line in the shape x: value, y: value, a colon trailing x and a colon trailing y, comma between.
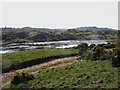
x: 59, y: 14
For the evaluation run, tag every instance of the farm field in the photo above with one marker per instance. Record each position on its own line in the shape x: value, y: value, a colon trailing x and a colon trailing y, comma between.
x: 82, y: 74
x: 12, y: 58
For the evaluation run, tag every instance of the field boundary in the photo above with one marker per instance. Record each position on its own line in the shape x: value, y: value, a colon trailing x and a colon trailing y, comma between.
x: 7, y: 77
x: 30, y: 63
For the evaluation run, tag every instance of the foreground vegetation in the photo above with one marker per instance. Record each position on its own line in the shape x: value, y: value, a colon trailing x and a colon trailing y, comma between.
x: 22, y: 56
x: 82, y: 74
x: 94, y: 69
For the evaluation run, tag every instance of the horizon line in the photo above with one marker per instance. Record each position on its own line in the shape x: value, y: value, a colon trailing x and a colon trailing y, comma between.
x: 57, y: 27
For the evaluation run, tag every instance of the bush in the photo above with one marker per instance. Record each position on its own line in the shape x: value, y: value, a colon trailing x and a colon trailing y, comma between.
x: 95, y: 52
x: 101, y: 45
x: 99, y: 53
x: 109, y: 45
x: 116, y: 53
x: 116, y: 57
x: 83, y: 49
x: 83, y: 46
x: 21, y: 77
x: 92, y: 46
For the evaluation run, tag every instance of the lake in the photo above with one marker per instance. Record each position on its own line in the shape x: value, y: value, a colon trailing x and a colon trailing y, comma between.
x: 47, y: 45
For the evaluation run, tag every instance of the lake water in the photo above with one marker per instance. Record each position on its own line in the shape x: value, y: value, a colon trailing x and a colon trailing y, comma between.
x: 6, y: 51
x: 48, y: 45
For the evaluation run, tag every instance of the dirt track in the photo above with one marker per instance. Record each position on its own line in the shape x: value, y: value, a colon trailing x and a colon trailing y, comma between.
x: 7, y: 77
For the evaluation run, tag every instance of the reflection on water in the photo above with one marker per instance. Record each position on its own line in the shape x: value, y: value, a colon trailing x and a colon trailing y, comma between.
x: 47, y: 45
x: 6, y: 51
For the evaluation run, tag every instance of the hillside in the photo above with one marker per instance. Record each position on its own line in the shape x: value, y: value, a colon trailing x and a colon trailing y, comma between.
x: 29, y: 34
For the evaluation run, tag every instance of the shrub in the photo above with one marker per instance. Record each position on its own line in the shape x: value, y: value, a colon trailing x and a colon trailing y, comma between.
x: 116, y: 53
x: 92, y: 46
x: 116, y: 57
x: 99, y: 53
x: 83, y: 49
x: 21, y: 77
x: 83, y: 46
x: 109, y: 45
x: 95, y: 52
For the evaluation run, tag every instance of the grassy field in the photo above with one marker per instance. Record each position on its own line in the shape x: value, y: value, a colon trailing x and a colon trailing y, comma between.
x: 13, y: 58
x: 82, y: 74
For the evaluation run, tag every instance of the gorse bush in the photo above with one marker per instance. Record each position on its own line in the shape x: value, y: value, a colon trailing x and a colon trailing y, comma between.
x: 92, y: 46
x: 109, y: 45
x: 83, y: 46
x: 83, y: 49
x: 116, y: 53
x: 94, y: 52
x: 21, y: 77
x: 100, y: 54
x: 116, y: 57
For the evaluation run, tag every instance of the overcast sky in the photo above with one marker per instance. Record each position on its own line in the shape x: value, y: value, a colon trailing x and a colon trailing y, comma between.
x: 60, y: 14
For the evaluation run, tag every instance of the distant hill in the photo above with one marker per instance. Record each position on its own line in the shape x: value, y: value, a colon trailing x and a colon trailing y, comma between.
x: 90, y: 29
x: 45, y: 34
x: 29, y: 29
